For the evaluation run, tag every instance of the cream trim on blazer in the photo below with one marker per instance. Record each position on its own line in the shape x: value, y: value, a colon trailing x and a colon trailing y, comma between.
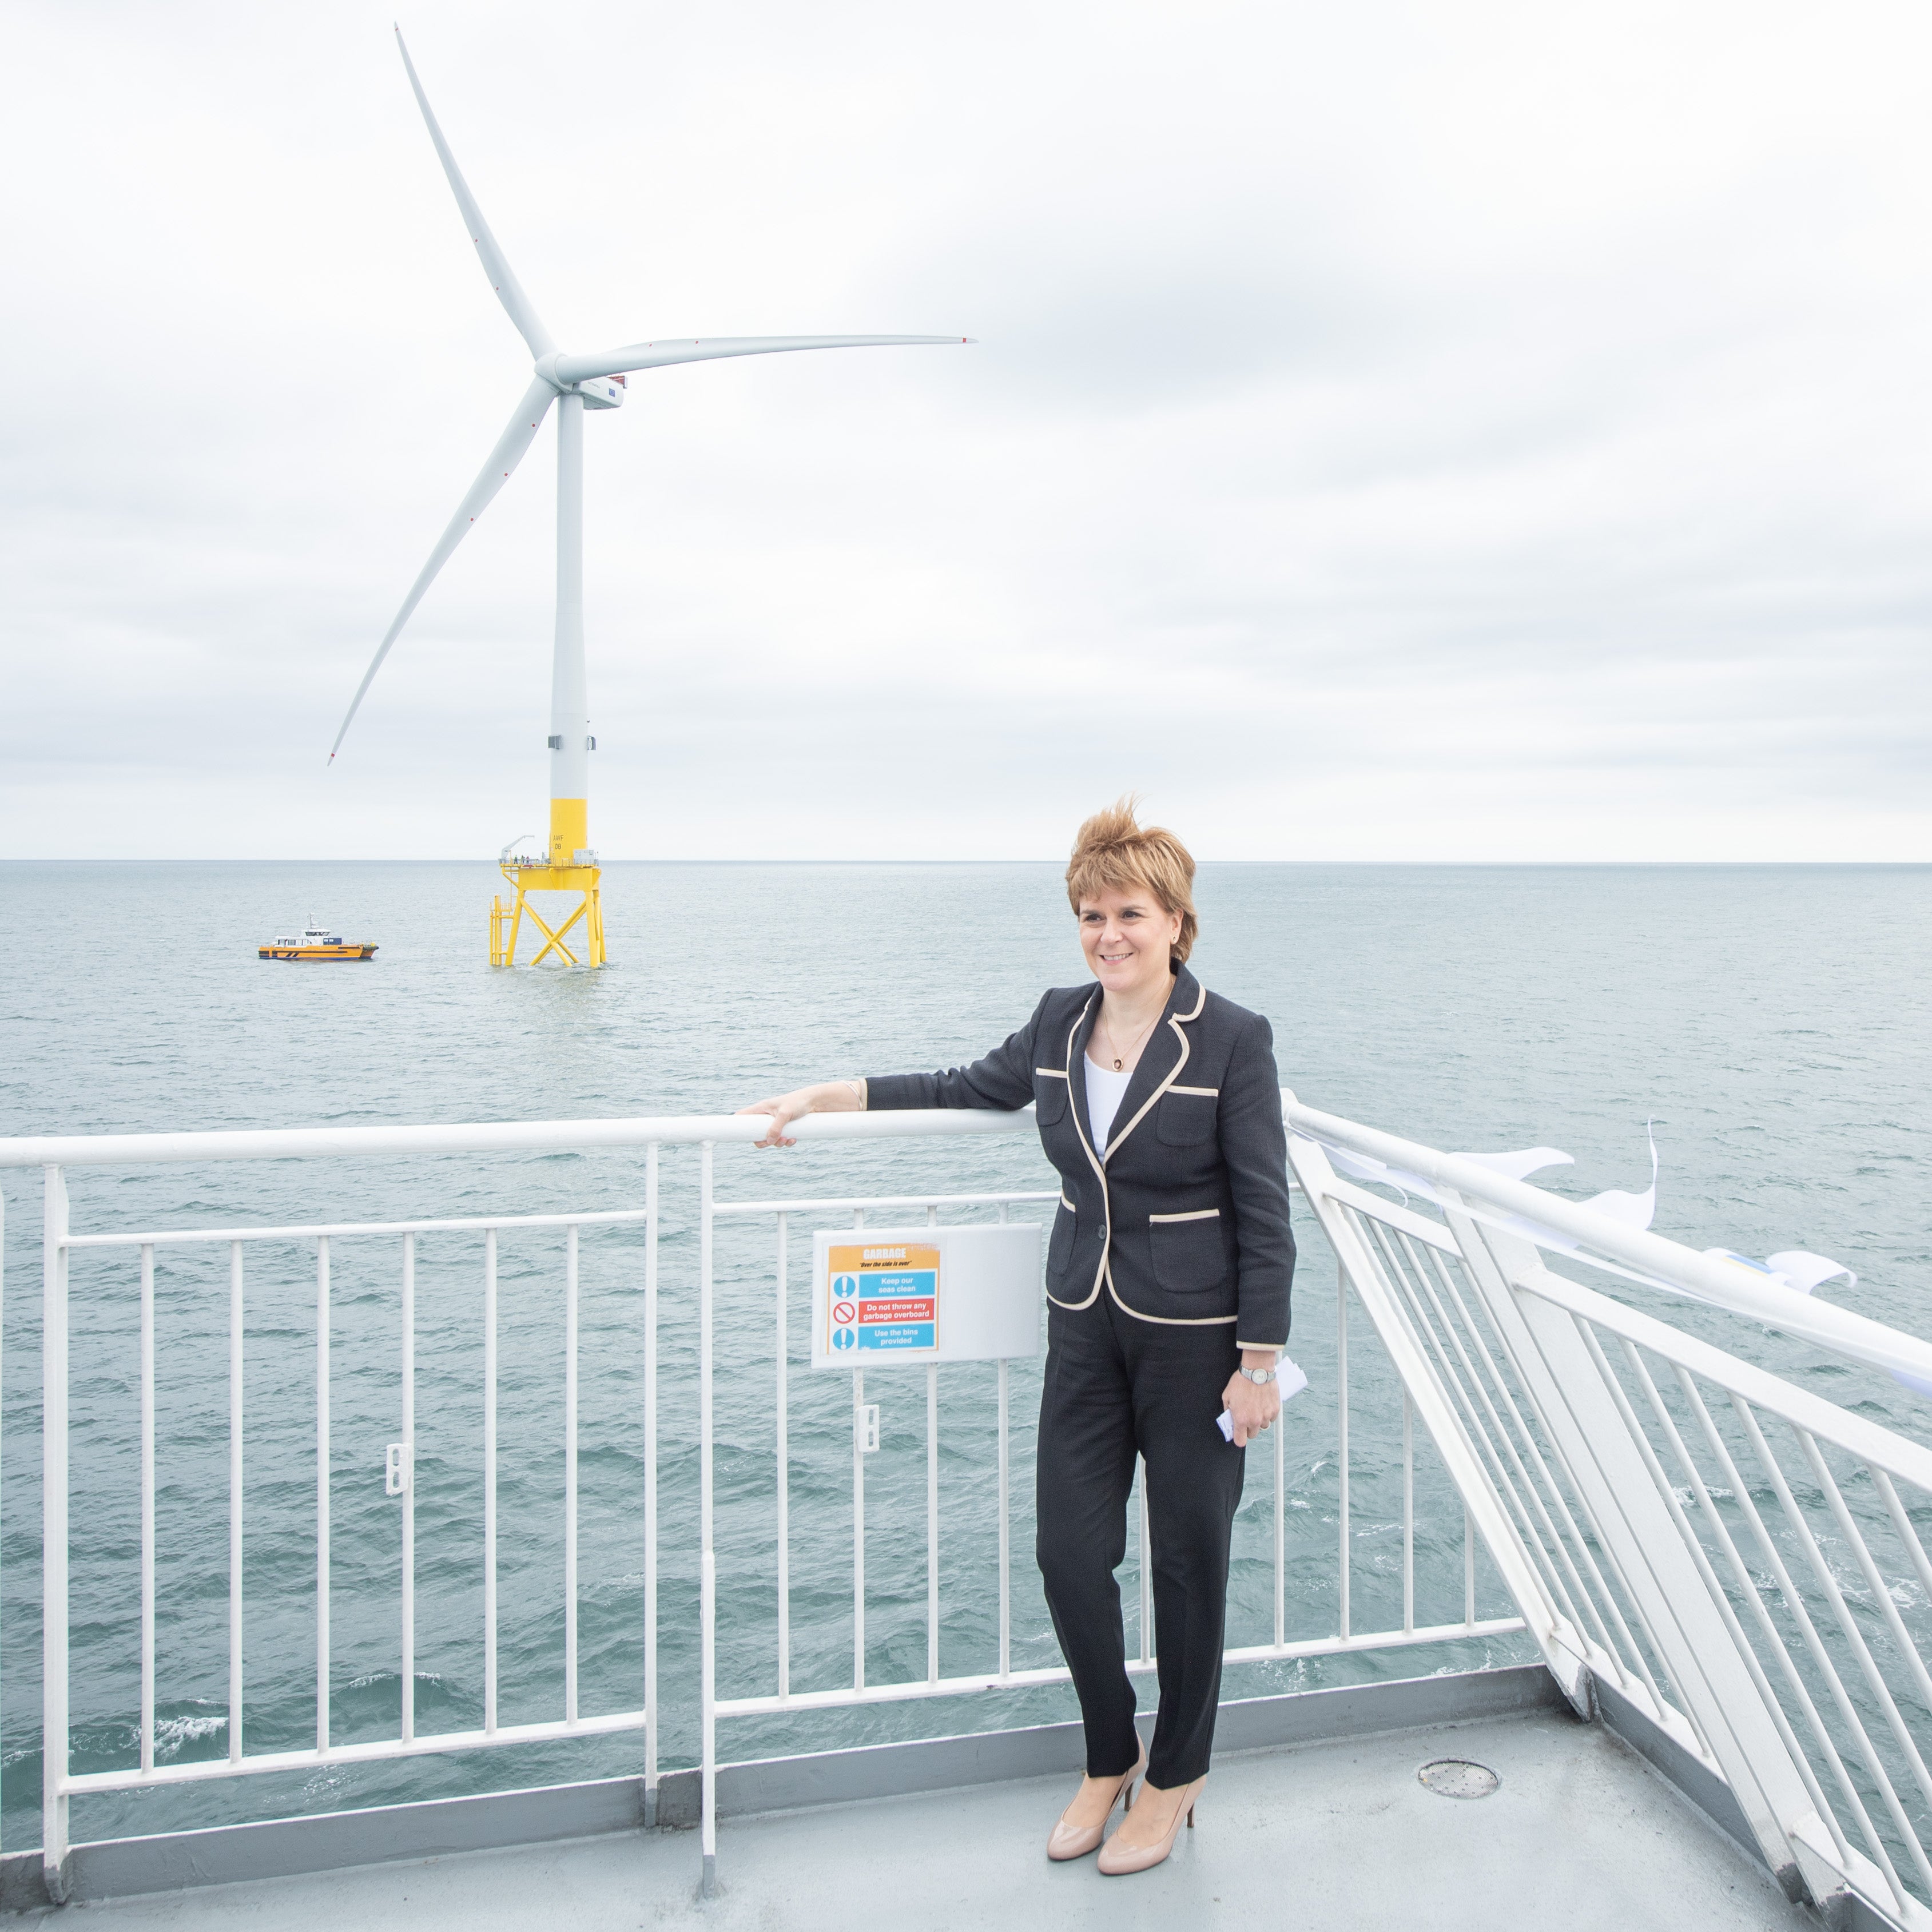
x: 1081, y: 1019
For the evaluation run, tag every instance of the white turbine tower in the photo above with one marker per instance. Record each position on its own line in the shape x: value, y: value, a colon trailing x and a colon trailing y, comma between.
x: 574, y: 383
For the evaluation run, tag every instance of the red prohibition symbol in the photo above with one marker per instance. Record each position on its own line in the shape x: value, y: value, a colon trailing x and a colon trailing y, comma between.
x: 843, y: 1312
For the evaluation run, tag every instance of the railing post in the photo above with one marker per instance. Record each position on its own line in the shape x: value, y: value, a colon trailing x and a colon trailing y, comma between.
x: 1343, y: 1553
x: 932, y: 1523
x: 1006, y: 1537
x: 490, y: 1482
x: 408, y: 1672
x: 707, y: 1582
x: 651, y: 1484
x: 781, y: 1454
x: 147, y: 1507
x: 235, y: 1414
x: 53, y: 1562
x: 323, y: 1670
x: 570, y: 1295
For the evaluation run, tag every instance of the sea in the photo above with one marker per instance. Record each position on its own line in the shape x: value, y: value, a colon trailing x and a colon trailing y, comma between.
x: 1766, y: 1025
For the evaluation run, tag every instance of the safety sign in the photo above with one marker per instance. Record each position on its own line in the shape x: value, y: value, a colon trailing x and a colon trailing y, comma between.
x: 905, y: 1297
x: 883, y: 1298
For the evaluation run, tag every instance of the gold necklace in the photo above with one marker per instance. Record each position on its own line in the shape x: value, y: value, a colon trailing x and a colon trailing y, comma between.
x: 1138, y: 1038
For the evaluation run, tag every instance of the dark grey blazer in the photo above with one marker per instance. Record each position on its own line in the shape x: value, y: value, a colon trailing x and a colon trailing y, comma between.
x: 1183, y: 1217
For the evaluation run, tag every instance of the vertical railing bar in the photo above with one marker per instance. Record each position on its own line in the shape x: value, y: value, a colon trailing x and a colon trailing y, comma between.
x: 858, y: 1529
x: 1749, y: 1587
x: 1280, y: 1532
x: 147, y: 1506
x: 1342, y: 1441
x: 570, y: 1293
x: 3, y: 1306
x: 858, y: 1513
x: 707, y: 1584
x: 782, y: 1451
x: 1145, y: 1566
x: 1888, y: 1610
x: 932, y: 1502
x: 407, y: 1688
x: 1407, y: 1511
x: 651, y: 1484
x: 1468, y: 1569
x: 235, y: 1410
x: 54, y: 1690
x: 1820, y: 1657
x: 323, y: 1667
x: 1006, y: 1542
x: 489, y: 1482
x: 1714, y: 1584
x: 932, y: 1523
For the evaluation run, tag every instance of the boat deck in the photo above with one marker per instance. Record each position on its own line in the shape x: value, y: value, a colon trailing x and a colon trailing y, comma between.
x: 1583, y: 1833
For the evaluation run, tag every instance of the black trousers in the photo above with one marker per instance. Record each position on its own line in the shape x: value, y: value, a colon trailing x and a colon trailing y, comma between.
x: 1116, y: 1386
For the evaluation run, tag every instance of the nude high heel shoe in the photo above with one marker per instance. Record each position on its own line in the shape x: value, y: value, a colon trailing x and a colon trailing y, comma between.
x: 1117, y: 1859
x: 1075, y: 1841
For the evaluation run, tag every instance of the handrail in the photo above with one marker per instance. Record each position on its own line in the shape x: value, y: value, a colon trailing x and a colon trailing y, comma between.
x: 1845, y: 1333
x: 490, y: 1137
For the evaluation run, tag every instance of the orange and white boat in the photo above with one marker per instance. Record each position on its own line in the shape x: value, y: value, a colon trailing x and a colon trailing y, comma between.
x: 316, y: 942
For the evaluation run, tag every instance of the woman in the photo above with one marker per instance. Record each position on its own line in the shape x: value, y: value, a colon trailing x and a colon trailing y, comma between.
x: 1167, y: 1280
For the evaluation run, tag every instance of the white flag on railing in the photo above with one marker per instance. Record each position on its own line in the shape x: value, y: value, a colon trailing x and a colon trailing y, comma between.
x: 1634, y: 1211
x: 1794, y: 1268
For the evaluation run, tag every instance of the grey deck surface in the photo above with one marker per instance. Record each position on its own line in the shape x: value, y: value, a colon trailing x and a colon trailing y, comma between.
x: 1582, y: 1834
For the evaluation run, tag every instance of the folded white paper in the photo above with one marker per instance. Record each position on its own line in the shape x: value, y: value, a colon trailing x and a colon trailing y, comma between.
x: 1288, y: 1379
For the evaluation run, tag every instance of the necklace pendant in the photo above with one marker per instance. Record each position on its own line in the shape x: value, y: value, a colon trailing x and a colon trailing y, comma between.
x: 1117, y: 1066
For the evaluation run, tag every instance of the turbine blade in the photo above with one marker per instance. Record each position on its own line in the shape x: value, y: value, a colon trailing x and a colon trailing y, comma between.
x: 511, y: 447
x: 502, y: 278
x: 708, y: 349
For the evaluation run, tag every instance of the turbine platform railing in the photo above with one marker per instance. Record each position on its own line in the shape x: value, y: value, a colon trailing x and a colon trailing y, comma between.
x: 1679, y: 1532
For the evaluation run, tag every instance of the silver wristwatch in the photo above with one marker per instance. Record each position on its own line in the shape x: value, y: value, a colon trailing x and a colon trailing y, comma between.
x: 1261, y: 1377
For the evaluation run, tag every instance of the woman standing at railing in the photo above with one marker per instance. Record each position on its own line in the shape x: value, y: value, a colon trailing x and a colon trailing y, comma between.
x: 1167, y: 1279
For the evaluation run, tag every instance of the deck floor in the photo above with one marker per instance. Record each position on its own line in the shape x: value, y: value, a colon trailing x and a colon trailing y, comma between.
x: 1582, y: 1834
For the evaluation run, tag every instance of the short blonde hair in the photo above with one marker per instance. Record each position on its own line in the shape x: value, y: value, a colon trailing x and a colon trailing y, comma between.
x: 1112, y: 853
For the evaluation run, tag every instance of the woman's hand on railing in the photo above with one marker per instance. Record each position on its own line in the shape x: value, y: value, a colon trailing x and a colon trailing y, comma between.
x: 1251, y: 1406
x: 829, y: 1096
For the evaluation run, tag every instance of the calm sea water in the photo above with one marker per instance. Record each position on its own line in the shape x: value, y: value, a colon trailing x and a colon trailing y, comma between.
x: 1772, y: 1022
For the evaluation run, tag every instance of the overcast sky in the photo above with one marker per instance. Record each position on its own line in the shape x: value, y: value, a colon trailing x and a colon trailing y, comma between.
x: 1459, y: 431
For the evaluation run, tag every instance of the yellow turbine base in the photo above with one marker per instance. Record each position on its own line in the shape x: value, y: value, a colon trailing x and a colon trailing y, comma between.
x: 569, y: 833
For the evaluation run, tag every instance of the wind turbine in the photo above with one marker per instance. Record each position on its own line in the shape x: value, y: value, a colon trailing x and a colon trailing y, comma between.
x: 574, y: 383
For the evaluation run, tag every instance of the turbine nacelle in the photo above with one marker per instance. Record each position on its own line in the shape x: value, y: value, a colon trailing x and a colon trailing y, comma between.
x: 599, y: 392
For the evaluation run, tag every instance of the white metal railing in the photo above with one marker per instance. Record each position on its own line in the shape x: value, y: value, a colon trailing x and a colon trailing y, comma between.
x: 399, y: 1476
x: 56, y: 1155
x: 1771, y: 1614
x: 1768, y: 1611
x: 998, y: 1672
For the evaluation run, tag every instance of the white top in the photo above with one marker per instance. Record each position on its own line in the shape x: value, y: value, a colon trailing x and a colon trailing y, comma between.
x: 1105, y: 1090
